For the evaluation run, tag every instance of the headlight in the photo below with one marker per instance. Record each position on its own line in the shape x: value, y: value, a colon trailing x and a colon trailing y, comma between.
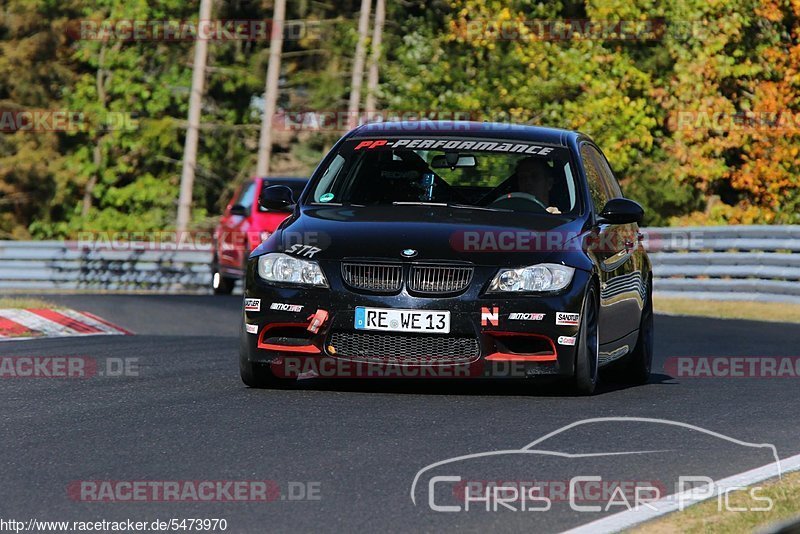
x: 536, y: 278
x: 277, y: 267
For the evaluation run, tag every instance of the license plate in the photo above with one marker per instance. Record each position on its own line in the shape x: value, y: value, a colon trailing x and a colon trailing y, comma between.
x: 391, y: 320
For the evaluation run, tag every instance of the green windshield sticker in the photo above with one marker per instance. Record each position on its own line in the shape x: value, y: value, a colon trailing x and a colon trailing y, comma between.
x: 327, y: 197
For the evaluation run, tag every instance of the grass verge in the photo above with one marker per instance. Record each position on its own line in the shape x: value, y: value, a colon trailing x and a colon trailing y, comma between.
x: 729, y: 309
x: 24, y: 302
x: 706, y: 517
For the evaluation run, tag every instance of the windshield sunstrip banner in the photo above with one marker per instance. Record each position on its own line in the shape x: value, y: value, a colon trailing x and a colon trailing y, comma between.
x: 476, y: 145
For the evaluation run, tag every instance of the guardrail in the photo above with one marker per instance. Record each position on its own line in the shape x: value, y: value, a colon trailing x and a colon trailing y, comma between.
x: 726, y: 262
x: 49, y: 265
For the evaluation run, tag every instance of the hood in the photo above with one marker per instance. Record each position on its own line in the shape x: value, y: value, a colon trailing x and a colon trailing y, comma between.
x: 483, y: 237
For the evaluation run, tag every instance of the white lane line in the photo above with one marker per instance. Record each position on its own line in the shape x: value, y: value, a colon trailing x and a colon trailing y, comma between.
x: 90, y: 321
x: 39, y: 323
x: 629, y: 518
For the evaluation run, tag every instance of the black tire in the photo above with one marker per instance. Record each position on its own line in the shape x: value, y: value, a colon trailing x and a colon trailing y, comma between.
x: 635, y: 368
x: 257, y: 375
x: 220, y: 284
x: 587, y: 351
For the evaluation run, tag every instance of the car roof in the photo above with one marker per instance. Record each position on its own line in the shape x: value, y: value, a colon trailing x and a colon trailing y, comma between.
x: 297, y: 179
x: 494, y: 130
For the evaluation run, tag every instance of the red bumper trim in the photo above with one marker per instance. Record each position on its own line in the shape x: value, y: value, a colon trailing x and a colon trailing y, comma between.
x: 304, y: 349
x: 522, y: 357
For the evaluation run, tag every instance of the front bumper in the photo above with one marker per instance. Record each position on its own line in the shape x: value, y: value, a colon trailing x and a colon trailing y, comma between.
x: 490, y: 335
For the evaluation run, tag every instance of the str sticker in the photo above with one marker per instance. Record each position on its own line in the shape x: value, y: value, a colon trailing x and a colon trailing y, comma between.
x: 306, y: 251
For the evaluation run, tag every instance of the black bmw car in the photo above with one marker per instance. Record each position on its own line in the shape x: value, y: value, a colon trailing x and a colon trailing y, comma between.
x: 445, y: 246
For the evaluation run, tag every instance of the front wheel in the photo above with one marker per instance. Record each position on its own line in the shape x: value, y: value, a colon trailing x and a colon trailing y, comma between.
x: 257, y: 375
x: 588, y: 348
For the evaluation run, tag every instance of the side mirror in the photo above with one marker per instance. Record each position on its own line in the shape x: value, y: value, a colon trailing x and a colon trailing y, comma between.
x: 276, y: 198
x: 621, y: 211
x: 238, y: 209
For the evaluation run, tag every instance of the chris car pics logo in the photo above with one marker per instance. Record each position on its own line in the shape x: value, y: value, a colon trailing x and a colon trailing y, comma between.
x: 451, y: 485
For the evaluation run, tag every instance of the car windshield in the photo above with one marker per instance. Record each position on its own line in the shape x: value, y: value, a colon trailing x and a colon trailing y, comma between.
x: 470, y: 173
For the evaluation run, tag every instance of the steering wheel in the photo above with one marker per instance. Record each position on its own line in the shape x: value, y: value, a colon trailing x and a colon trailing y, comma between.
x: 519, y: 195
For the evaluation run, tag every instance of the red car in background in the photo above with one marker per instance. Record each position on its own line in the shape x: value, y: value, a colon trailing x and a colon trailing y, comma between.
x: 244, y: 226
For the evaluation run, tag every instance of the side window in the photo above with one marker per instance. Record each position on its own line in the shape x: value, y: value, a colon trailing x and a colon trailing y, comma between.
x: 237, y: 194
x: 608, y: 176
x: 248, y: 195
x: 595, y: 181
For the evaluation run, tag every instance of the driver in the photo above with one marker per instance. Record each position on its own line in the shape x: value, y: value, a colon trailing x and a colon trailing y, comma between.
x: 535, y: 178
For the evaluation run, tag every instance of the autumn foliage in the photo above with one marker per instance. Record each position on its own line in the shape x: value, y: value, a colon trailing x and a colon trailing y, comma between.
x: 695, y: 102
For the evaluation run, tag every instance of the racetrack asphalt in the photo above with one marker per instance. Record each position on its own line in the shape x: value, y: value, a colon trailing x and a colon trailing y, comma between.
x: 184, y: 415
